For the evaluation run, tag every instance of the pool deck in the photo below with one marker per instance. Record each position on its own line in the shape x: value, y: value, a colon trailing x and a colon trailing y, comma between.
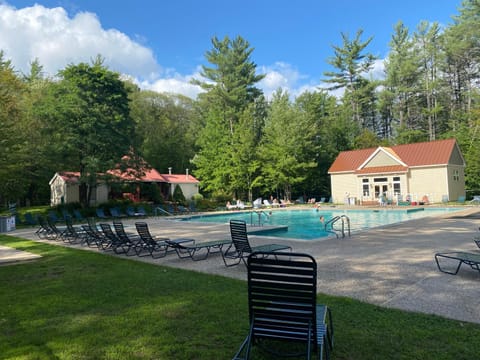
x: 392, y: 266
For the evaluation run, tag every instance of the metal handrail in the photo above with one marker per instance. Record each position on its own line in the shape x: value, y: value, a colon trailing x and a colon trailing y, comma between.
x: 259, y: 213
x: 344, y: 219
x: 158, y: 208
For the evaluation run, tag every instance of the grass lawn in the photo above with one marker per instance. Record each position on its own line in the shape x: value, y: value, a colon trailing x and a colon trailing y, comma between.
x: 74, y: 304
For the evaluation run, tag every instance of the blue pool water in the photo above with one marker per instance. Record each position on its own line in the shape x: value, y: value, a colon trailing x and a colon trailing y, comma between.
x: 306, y: 225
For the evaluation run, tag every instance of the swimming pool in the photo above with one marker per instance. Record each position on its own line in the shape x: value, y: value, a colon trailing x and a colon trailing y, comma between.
x: 306, y: 225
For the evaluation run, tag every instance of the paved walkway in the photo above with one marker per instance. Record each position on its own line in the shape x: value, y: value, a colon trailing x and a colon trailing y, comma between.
x: 9, y: 256
x: 392, y: 266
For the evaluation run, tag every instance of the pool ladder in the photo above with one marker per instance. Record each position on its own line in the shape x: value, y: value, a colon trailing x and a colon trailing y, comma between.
x: 345, y: 225
x: 259, y: 213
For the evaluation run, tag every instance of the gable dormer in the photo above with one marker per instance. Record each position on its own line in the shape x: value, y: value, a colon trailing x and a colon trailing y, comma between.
x: 382, y: 157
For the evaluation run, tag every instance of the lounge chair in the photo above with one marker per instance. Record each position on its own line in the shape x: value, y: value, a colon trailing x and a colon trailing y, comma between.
x: 475, y: 200
x: 240, y: 247
x: 192, y: 251
x: 257, y: 203
x: 132, y: 213
x: 457, y: 258
x: 283, y: 307
x: 93, y: 238
x: 52, y: 215
x: 55, y: 232
x: 72, y: 234
x: 476, y: 240
x: 30, y: 219
x: 101, y: 214
x: 156, y: 247
x: 116, y: 213
x: 141, y: 210
x: 117, y: 244
x: 44, y: 231
x: 78, y: 215
x: 122, y: 234
x: 267, y: 204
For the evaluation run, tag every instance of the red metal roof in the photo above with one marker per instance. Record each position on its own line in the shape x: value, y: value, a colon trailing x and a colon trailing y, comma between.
x: 418, y: 154
x: 150, y: 175
x: 180, y: 179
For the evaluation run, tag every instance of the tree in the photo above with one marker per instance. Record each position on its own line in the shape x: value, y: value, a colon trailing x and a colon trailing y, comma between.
x: 229, y: 92
x: 13, y: 154
x: 87, y: 117
x: 286, y: 145
x: 351, y: 65
x: 164, y: 125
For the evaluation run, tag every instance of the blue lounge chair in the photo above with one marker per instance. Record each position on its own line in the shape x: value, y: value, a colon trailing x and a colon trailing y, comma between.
x: 101, y: 214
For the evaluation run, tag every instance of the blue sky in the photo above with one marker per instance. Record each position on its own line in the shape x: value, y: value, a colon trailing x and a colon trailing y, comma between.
x: 162, y: 44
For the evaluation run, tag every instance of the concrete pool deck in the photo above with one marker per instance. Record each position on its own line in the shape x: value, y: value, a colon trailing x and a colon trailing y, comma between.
x: 392, y: 266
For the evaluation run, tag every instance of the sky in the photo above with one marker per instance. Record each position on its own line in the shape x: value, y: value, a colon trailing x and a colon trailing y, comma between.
x: 161, y: 45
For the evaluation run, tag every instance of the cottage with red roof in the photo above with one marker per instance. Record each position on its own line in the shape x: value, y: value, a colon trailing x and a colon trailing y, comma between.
x: 428, y: 171
x: 64, y: 186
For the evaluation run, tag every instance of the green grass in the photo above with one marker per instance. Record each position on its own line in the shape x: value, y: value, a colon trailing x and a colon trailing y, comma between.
x: 74, y: 304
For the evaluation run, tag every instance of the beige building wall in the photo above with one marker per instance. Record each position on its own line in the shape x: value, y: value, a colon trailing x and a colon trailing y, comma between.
x: 381, y: 159
x: 343, y: 184
x: 432, y: 182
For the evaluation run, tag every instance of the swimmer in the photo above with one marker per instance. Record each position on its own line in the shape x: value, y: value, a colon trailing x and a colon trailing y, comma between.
x: 322, y: 219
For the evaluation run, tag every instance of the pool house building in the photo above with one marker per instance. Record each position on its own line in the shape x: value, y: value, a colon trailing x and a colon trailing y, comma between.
x: 426, y: 172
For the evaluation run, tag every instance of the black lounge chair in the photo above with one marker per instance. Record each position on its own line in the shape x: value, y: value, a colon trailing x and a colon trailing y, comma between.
x: 72, y: 234
x: 198, y: 251
x: 122, y: 234
x: 283, y: 307
x: 240, y: 247
x: 117, y: 244
x: 156, y: 247
x: 56, y: 233
x: 456, y: 259
x: 44, y: 231
x: 93, y: 237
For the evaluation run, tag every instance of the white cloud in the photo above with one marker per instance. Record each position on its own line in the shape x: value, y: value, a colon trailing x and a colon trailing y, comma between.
x: 175, y: 84
x: 58, y: 40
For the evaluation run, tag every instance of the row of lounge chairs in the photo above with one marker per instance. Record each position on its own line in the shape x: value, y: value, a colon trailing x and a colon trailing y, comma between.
x: 281, y: 284
x: 233, y: 251
x: 450, y: 262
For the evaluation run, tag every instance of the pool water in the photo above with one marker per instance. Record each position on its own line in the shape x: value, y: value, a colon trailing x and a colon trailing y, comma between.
x: 306, y: 224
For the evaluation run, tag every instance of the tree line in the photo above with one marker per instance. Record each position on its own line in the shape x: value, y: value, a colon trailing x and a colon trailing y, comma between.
x: 236, y: 141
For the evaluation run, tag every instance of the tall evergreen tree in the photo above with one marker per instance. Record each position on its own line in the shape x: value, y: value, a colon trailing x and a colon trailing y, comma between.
x: 288, y: 146
x: 229, y: 91
x: 351, y: 64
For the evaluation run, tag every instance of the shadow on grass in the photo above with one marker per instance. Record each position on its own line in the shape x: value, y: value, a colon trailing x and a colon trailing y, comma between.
x: 73, y: 304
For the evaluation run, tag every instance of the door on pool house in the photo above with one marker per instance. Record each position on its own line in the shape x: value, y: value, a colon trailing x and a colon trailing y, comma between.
x: 380, y: 187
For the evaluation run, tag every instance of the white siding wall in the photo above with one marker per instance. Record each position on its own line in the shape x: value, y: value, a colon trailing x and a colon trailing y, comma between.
x: 432, y: 182
x: 342, y: 184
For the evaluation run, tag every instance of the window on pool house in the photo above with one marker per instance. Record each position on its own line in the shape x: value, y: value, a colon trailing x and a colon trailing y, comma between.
x: 396, y: 185
x: 456, y: 175
x: 365, y: 187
